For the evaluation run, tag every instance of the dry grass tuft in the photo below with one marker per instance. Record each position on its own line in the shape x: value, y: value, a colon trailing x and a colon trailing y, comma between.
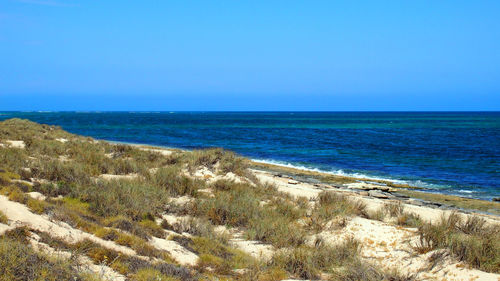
x: 471, y: 241
x: 227, y: 161
x: 19, y: 261
x: 306, y: 262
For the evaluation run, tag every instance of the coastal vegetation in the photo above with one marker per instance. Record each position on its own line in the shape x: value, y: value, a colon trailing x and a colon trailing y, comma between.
x: 472, y: 240
x: 19, y: 261
x: 125, y: 201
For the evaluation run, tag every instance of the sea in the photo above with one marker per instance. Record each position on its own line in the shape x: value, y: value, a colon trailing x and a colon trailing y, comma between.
x: 443, y: 152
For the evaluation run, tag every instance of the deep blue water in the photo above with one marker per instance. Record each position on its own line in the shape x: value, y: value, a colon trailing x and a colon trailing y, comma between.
x: 452, y: 152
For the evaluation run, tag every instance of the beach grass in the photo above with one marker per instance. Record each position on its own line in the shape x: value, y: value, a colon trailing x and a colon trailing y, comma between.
x: 471, y: 240
x: 19, y: 261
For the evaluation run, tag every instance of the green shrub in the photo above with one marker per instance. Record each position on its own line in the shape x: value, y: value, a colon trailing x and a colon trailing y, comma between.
x: 37, y: 206
x: 359, y: 270
x: 19, y: 261
x: 172, y: 180
x: 265, y: 273
x: 332, y: 205
x: 4, y: 179
x: 107, y: 234
x: 228, y: 161
x: 17, y: 195
x: 20, y: 234
x: 234, y: 208
x: 274, y: 228
x: 131, y: 198
x: 307, y: 262
x: 221, y: 258
x: 57, y: 171
x: 48, y: 147
x: 128, y: 225
x: 54, y: 189
x: 472, y: 241
x: 153, y: 228
x: 13, y: 158
x: 150, y: 274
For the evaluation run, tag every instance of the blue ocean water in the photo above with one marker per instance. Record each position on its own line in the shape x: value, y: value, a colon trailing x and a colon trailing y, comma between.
x: 448, y: 152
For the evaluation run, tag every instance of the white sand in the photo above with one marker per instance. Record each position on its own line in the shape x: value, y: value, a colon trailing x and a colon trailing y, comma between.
x: 298, y: 189
x: 179, y: 253
x: 36, y: 195
x: 255, y: 249
x: 164, y: 152
x: 389, y: 246
x: 16, y: 144
x: 209, y: 176
x: 118, y: 177
x: 385, y: 245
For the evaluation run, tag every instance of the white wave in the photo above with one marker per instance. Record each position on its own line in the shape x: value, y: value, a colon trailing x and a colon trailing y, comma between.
x: 430, y: 187
x: 466, y: 191
x: 339, y: 172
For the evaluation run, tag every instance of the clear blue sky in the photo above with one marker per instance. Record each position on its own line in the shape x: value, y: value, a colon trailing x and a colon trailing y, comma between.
x: 249, y: 55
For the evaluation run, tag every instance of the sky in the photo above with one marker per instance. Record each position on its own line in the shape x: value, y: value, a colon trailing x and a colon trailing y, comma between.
x: 249, y: 55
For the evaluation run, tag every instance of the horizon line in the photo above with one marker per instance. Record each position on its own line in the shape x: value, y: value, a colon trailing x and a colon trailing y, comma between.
x: 243, y: 111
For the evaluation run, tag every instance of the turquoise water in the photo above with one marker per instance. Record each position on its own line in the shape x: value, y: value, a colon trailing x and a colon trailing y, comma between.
x: 448, y: 152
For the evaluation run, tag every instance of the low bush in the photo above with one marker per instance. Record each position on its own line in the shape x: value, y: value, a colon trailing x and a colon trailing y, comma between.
x: 19, y: 261
x: 130, y: 198
x: 18, y: 196
x: 359, y: 270
x: 235, y: 207
x: 128, y: 225
x: 276, y: 229
x: 174, y: 182
x: 150, y: 274
x: 265, y: 273
x: 334, y: 205
x: 308, y: 262
x: 20, y: 234
x: 57, y: 171
x: 14, y: 159
x: 227, y: 161
x: 124, y: 264
x: 37, y: 206
x: 397, y: 211
x: 54, y: 189
x: 153, y: 228
x: 215, y: 255
x: 4, y: 179
x: 471, y: 241
x: 394, y: 209
x: 140, y: 246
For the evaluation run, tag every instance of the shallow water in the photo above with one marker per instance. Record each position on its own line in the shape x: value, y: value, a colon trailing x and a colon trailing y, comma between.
x: 450, y: 152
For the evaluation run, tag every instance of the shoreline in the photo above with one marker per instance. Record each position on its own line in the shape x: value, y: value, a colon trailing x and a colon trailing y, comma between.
x: 399, y: 192
x: 361, y: 187
x: 427, y: 197
x: 389, y: 182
